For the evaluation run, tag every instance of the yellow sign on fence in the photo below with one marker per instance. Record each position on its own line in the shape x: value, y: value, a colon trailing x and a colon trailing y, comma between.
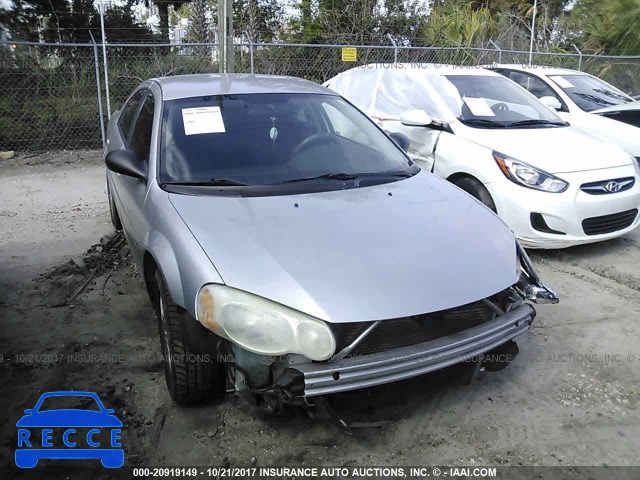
x: 349, y: 54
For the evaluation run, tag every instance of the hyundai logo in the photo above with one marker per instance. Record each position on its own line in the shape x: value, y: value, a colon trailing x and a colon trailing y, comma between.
x: 612, y: 186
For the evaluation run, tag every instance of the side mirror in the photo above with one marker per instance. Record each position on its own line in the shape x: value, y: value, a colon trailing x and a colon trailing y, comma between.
x: 127, y: 163
x: 29, y: 411
x: 401, y: 140
x: 109, y: 411
x: 415, y: 118
x: 550, y: 102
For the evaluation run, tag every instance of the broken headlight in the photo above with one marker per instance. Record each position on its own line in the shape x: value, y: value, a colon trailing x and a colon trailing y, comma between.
x: 262, y: 326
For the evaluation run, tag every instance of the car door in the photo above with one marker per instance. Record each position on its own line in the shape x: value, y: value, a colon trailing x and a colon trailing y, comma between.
x: 132, y: 191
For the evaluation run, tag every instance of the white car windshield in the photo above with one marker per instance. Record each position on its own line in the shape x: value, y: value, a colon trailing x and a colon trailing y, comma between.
x: 272, y: 139
x: 590, y: 93
x: 485, y: 101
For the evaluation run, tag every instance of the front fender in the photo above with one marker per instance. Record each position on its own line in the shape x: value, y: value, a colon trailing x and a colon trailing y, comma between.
x: 459, y: 155
x: 164, y: 256
x: 182, y: 261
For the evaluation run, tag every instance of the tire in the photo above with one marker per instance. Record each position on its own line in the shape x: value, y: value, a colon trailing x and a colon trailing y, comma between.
x: 115, y: 217
x: 476, y: 189
x: 191, y: 369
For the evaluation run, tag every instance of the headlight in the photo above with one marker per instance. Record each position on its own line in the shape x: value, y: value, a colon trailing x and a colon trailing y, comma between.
x: 262, y: 326
x: 528, y: 176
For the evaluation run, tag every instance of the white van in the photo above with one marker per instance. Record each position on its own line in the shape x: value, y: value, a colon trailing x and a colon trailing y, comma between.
x: 553, y: 185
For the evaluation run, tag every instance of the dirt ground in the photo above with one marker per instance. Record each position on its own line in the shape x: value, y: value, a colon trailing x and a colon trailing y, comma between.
x: 74, y: 315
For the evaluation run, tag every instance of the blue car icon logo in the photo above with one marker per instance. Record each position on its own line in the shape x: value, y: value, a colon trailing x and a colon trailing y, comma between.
x: 52, y: 430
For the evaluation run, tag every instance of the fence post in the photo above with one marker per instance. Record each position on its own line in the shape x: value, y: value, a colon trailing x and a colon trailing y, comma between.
x: 96, y: 63
x: 104, y: 59
x: 250, y: 50
x: 395, y: 48
x: 498, y: 49
x: 579, y: 58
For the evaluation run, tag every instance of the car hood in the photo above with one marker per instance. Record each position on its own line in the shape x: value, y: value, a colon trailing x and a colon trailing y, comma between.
x: 404, y: 248
x: 69, y: 418
x: 554, y: 150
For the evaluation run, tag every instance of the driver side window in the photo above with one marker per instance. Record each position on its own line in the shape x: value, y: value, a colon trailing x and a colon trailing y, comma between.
x: 140, y: 141
x: 128, y: 114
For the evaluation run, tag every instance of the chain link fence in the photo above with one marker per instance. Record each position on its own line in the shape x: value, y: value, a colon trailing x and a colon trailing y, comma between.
x: 53, y: 96
x: 48, y: 97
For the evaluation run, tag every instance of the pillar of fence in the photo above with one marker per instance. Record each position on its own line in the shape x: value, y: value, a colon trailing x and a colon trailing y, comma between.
x: 250, y: 42
x: 104, y: 59
x: 395, y: 48
x: 579, y: 57
x: 498, y: 49
x: 98, y: 88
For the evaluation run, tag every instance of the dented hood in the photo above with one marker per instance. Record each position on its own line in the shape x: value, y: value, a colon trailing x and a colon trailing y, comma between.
x: 403, y: 248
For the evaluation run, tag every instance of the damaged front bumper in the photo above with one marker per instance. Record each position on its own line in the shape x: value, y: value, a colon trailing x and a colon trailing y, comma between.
x: 529, y: 284
x: 363, y: 362
x: 321, y: 378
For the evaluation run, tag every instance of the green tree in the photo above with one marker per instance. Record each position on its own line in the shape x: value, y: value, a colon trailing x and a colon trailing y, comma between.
x: 608, y: 26
x: 199, y: 24
x: 64, y: 21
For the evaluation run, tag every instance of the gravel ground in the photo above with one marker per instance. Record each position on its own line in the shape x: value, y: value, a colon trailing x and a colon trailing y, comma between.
x: 74, y: 315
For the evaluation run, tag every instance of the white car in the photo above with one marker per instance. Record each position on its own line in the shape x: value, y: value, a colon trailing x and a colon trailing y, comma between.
x: 585, y: 101
x: 553, y: 185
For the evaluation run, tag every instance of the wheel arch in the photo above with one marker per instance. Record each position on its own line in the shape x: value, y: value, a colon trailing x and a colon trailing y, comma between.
x: 454, y: 177
x: 162, y: 257
x: 488, y: 201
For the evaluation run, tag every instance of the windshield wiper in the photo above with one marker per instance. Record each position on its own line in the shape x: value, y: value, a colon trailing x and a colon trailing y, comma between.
x: 594, y: 99
x: 481, y: 122
x: 611, y: 94
x: 214, y: 182
x: 350, y: 176
x: 525, y: 123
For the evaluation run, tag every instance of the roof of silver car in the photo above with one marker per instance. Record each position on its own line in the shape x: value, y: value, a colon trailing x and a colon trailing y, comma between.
x: 184, y: 86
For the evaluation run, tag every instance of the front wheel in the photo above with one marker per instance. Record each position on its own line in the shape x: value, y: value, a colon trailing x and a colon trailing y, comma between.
x: 191, y: 369
x: 476, y: 189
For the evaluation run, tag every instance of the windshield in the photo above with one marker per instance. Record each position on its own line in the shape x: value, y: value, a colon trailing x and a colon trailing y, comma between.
x: 272, y: 139
x: 590, y: 93
x: 496, y: 102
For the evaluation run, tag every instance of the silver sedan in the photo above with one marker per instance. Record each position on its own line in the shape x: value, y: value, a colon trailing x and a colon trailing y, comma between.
x: 290, y: 248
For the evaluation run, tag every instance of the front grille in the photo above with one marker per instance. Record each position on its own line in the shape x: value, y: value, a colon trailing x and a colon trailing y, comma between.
x: 609, y: 223
x: 403, y: 332
x: 605, y: 187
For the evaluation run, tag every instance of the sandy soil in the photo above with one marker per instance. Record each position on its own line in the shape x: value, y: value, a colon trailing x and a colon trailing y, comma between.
x: 73, y: 315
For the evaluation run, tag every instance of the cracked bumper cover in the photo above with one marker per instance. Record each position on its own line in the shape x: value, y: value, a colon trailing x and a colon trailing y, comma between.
x: 321, y: 378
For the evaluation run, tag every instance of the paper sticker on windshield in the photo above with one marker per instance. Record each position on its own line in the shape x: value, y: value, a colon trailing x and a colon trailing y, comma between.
x: 202, y: 120
x: 562, y: 82
x: 479, y: 107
